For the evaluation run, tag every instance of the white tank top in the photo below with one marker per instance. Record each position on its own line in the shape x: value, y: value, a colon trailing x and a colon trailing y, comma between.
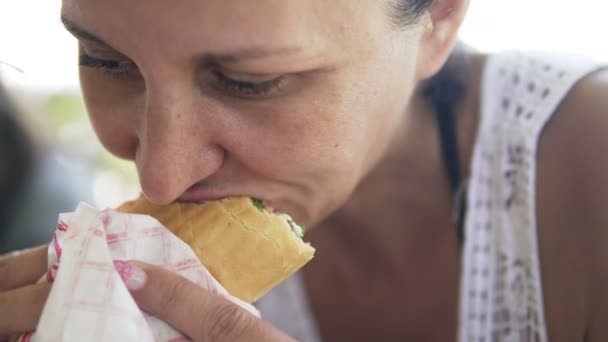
x: 501, y: 291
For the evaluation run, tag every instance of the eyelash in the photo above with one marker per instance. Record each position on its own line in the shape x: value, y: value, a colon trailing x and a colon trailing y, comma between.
x: 247, y: 88
x: 111, y: 67
x: 223, y: 83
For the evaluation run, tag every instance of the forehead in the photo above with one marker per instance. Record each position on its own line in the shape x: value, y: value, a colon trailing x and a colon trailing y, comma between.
x: 223, y: 23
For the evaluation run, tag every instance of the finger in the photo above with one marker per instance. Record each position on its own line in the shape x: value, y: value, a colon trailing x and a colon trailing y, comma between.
x: 20, y: 309
x: 198, y: 313
x: 22, y: 268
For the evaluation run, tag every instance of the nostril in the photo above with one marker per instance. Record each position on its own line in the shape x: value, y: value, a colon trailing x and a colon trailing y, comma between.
x: 157, y: 193
x: 166, y: 174
x: 155, y: 199
x: 159, y: 181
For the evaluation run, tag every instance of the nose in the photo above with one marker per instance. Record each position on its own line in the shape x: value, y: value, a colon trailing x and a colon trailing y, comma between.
x: 176, y: 144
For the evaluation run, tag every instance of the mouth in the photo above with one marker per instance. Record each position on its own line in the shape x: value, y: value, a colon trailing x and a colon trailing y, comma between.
x: 199, y: 193
x: 199, y: 196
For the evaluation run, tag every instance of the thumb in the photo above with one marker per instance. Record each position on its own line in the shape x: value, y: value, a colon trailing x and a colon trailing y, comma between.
x: 199, y: 313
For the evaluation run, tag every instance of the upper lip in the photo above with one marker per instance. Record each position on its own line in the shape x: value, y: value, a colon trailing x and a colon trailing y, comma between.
x: 199, y: 193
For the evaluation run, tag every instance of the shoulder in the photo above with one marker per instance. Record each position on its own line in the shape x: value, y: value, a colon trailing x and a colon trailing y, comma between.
x: 574, y: 144
x: 576, y: 138
x: 572, y: 185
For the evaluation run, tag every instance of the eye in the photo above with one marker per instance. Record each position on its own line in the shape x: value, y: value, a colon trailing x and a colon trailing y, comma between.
x: 247, y: 88
x: 111, y: 67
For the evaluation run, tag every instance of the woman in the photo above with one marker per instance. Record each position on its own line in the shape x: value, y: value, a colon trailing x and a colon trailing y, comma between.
x: 346, y: 115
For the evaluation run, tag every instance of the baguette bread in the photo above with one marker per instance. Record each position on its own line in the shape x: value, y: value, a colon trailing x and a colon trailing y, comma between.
x: 248, y: 249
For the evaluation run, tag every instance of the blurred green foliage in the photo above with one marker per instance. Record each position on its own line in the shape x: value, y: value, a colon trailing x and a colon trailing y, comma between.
x: 60, y: 110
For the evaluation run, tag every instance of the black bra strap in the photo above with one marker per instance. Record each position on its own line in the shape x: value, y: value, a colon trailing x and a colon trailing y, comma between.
x: 451, y: 161
x: 443, y: 93
x: 449, y: 145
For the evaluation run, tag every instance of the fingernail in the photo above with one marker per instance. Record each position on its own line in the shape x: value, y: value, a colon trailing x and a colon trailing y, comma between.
x: 133, y: 276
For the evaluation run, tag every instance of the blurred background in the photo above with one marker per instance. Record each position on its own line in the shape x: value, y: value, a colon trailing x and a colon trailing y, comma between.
x: 67, y: 165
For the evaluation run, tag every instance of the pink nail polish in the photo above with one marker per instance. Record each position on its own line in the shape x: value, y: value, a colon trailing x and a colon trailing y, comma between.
x: 133, y: 276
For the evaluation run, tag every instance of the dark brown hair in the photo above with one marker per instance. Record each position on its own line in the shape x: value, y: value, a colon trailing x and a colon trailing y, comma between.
x: 447, y: 86
x: 407, y: 12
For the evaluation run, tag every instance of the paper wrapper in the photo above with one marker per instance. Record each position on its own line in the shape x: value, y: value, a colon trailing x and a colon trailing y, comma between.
x: 88, y: 300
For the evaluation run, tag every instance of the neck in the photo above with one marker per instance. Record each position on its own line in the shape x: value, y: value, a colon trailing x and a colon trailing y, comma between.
x: 411, y: 176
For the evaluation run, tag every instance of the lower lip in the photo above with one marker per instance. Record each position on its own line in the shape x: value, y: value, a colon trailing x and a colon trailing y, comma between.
x: 275, y: 207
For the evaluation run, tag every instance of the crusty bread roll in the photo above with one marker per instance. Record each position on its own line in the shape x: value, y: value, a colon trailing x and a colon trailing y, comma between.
x: 248, y: 249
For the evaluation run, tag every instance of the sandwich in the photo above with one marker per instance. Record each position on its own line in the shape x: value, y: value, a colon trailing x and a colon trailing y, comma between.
x: 247, y: 247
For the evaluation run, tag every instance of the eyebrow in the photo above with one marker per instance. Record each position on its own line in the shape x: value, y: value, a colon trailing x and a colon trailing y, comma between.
x: 250, y: 53
x: 232, y: 57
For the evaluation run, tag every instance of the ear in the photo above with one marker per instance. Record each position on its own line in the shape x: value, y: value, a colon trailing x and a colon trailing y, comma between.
x: 440, y: 33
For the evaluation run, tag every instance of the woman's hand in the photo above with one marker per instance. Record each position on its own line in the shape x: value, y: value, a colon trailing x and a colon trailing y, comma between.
x: 196, y: 312
x: 21, y: 300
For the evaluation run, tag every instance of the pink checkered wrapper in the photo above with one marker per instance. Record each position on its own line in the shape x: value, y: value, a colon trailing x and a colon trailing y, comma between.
x: 88, y: 300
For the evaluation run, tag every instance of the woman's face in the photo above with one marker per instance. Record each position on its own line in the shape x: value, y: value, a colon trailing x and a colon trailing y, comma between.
x: 289, y: 101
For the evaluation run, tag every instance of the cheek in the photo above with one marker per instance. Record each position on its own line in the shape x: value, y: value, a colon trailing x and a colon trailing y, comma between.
x: 316, y: 143
x: 308, y: 136
x: 112, y: 113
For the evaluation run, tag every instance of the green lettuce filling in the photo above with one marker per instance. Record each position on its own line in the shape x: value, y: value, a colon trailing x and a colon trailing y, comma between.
x: 258, y: 204
x: 298, y: 230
